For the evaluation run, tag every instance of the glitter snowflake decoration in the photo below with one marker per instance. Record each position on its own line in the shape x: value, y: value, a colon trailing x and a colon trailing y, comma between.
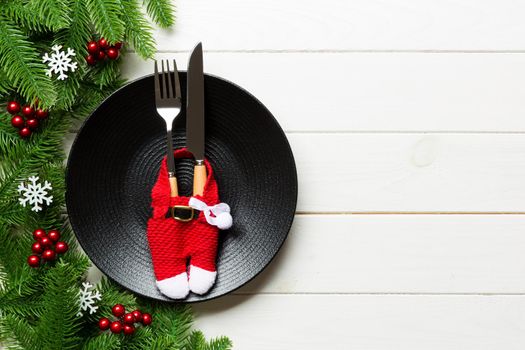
x: 60, y: 62
x: 35, y: 194
x: 88, y: 299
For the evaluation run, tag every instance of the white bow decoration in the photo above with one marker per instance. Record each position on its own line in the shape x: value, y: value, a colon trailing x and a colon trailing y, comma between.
x: 222, y: 217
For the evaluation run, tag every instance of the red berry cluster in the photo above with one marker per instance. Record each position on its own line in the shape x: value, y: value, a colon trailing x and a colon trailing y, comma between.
x: 28, y: 121
x: 44, y: 245
x: 101, y: 50
x: 126, y: 321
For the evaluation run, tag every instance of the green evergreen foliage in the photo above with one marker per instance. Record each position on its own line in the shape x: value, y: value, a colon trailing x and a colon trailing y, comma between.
x: 161, y: 11
x: 38, y: 307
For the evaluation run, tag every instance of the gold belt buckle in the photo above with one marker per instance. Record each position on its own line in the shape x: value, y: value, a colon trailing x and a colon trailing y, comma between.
x: 178, y: 218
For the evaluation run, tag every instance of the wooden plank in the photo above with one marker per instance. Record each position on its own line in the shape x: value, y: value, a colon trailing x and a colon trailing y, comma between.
x: 375, y: 92
x: 410, y: 172
x: 436, y: 173
x: 346, y: 25
x: 398, y: 254
x: 366, y: 322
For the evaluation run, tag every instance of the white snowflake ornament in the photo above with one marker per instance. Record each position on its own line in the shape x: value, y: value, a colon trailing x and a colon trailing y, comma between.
x: 88, y: 299
x: 60, y: 62
x: 35, y: 194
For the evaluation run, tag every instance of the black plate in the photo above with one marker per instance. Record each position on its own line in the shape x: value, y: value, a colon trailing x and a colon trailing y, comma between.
x: 114, y: 163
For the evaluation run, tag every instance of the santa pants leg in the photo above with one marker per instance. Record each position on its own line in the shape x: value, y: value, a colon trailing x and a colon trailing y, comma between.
x: 202, y: 248
x: 167, y: 253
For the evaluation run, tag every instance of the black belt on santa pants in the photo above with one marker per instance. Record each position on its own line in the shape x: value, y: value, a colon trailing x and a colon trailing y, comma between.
x: 182, y: 213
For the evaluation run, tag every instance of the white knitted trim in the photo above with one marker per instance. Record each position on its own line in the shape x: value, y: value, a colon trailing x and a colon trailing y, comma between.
x: 175, y: 287
x: 201, y: 280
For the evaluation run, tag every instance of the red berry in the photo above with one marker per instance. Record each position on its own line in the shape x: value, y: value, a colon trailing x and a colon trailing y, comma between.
x: 129, y: 329
x: 103, y: 43
x: 46, y: 242
x: 33, y: 261
x: 116, y: 327
x: 27, y: 111
x: 104, y: 323
x: 32, y: 123
x: 41, y: 114
x: 112, y: 53
x: 92, y: 47
x: 49, y: 255
x: 101, y: 56
x: 129, y: 318
x: 38, y: 234
x: 13, y: 107
x: 18, y: 121
x: 61, y: 247
x: 91, y: 60
x: 146, y: 319
x: 25, y: 132
x: 54, y: 235
x: 37, y: 248
x: 118, y: 45
x: 118, y: 310
x: 138, y: 315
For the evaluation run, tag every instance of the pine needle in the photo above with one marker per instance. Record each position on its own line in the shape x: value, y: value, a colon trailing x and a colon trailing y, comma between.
x: 106, y: 17
x: 138, y: 31
x: 23, y: 66
x: 161, y: 11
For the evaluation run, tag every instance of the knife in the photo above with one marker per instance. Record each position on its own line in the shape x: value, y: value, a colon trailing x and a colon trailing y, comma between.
x: 195, y: 118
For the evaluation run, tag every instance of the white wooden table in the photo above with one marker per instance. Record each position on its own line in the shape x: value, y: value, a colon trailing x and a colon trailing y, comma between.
x: 407, y: 120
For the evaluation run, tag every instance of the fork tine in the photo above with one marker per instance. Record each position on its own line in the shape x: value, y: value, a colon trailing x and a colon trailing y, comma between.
x: 157, y: 83
x: 168, y: 78
x: 163, y: 80
x: 177, y: 82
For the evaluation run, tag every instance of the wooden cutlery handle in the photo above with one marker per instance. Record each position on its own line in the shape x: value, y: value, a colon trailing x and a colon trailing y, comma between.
x: 173, y: 186
x: 199, y: 179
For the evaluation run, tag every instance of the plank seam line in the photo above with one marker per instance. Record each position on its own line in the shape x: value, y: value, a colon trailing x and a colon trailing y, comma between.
x: 334, y: 213
x: 382, y: 294
x: 409, y: 132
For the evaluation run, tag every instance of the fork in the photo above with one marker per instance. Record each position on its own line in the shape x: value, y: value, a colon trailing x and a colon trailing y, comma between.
x: 168, y: 103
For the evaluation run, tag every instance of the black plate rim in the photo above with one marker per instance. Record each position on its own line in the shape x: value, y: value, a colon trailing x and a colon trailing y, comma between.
x: 174, y: 301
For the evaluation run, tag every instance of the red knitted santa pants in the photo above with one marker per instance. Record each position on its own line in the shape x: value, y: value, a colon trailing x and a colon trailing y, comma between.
x: 177, y: 245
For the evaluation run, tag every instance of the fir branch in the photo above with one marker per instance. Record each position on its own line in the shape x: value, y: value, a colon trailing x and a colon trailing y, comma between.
x: 4, y: 84
x: 8, y: 138
x: 161, y: 11
x: 23, y: 66
x: 68, y: 90
x: 138, y: 30
x: 58, y: 324
x: 18, y: 277
x: 220, y: 343
x: 197, y: 341
x: 39, y: 15
x: 17, y: 333
x: 79, y: 31
x: 54, y: 13
x: 42, y: 152
x: 172, y: 321
x: 105, y: 15
x: 20, y: 13
x: 26, y: 306
x: 103, y: 341
x: 105, y: 74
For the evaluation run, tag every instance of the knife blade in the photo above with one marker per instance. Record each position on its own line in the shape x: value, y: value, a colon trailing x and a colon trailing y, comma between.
x: 195, y: 118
